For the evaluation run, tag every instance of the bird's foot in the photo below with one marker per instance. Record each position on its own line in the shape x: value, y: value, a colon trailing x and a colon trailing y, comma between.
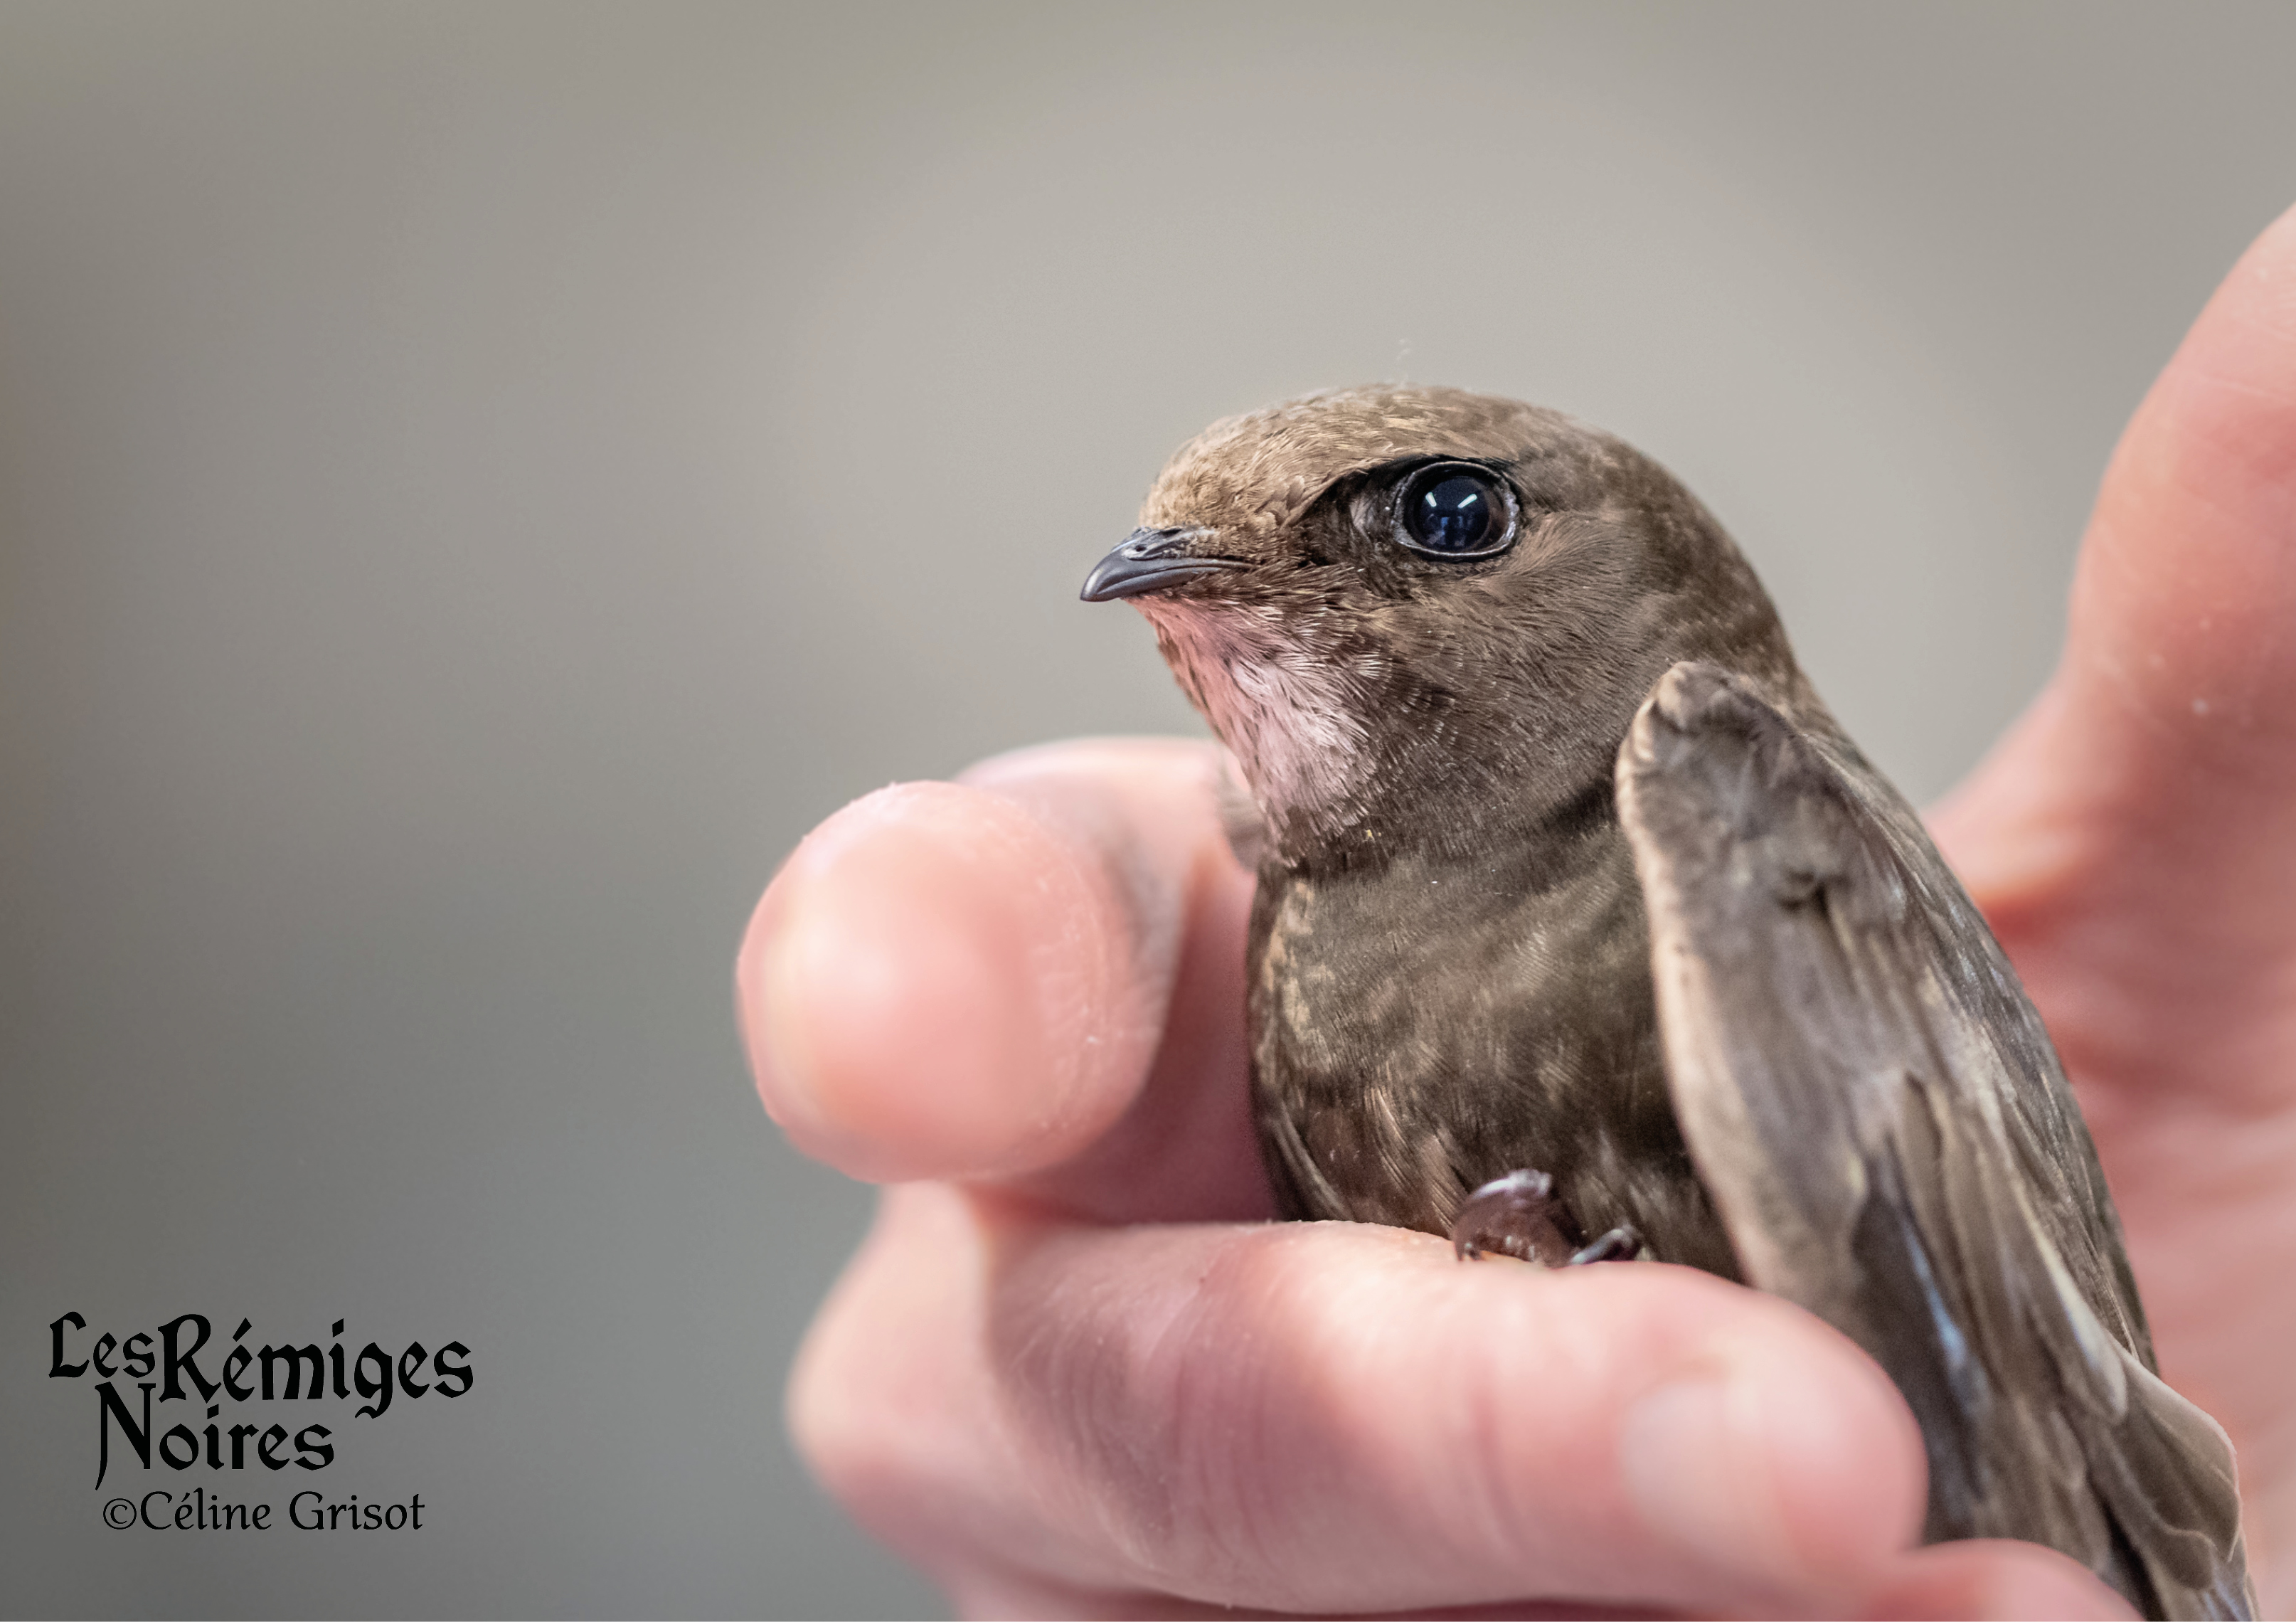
x: 1518, y: 1215
x: 1513, y: 1215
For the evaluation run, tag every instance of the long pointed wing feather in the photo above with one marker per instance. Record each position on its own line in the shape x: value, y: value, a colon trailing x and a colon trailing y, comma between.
x: 1885, y: 1128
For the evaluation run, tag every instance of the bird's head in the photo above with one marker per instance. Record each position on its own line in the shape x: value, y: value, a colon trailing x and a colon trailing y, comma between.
x: 1410, y: 611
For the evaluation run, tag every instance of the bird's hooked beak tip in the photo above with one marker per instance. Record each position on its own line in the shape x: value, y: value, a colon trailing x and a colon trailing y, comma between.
x: 1150, y: 560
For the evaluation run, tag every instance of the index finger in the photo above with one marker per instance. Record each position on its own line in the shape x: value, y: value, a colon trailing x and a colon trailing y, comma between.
x: 1033, y: 977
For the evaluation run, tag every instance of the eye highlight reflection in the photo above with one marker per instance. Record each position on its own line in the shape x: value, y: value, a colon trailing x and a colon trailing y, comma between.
x: 1454, y: 510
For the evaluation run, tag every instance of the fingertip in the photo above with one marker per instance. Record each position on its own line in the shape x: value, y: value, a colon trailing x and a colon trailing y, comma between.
x: 926, y: 988
x: 1778, y: 1450
x: 1846, y: 1457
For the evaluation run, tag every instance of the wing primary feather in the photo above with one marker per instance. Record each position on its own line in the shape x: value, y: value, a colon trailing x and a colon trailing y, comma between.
x: 1876, y: 1110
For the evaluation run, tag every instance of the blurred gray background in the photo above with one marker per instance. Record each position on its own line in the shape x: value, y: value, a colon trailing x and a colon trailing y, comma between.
x: 477, y: 482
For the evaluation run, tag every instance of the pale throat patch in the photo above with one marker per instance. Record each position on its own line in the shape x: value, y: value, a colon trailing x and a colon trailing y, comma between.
x: 1271, y: 698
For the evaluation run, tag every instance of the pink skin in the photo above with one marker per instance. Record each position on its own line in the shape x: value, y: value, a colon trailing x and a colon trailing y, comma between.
x: 1019, y: 1000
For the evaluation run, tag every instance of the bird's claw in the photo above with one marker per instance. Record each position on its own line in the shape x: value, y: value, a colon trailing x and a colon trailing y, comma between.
x: 1518, y: 1215
x: 1623, y: 1243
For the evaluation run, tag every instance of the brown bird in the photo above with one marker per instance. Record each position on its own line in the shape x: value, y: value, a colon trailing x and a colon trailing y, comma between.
x: 1583, y: 932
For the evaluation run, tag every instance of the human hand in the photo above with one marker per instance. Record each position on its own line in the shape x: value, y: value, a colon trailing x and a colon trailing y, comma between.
x: 1019, y: 999
x: 2132, y: 843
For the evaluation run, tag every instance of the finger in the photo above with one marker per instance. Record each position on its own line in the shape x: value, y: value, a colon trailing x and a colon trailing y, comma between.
x: 1014, y: 1595
x: 1334, y: 1417
x: 1978, y: 1579
x: 2137, y: 818
x: 980, y: 981
x: 1991, y: 1579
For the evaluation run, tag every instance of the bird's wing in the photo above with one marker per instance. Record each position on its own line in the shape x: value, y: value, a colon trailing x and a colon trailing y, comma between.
x: 1884, y: 1126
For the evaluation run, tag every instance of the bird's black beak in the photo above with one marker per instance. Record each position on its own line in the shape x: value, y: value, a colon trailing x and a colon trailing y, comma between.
x: 1150, y: 560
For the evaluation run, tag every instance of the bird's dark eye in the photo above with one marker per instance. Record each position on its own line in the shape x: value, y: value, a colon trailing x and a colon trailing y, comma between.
x: 1454, y: 510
